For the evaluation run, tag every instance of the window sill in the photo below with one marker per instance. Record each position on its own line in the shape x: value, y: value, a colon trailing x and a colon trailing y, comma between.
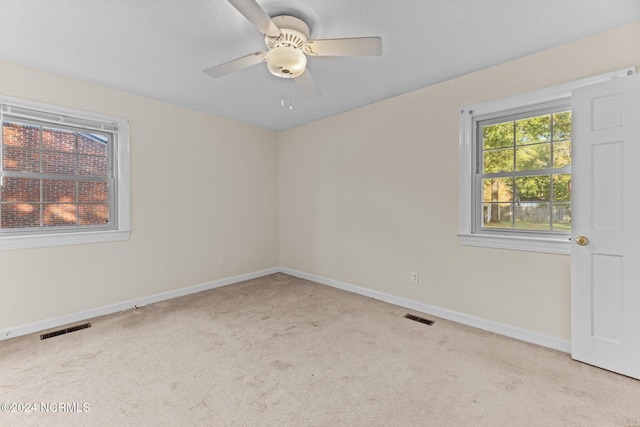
x: 531, y: 244
x: 62, y: 239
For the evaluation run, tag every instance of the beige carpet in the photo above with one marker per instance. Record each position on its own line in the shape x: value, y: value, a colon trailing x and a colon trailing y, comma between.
x: 280, y: 351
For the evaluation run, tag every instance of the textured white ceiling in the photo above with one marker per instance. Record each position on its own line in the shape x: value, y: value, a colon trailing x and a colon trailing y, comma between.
x: 158, y: 48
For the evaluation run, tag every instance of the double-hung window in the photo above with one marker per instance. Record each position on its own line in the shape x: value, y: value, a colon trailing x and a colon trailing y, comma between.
x: 63, y: 176
x: 522, y: 175
x: 515, y: 170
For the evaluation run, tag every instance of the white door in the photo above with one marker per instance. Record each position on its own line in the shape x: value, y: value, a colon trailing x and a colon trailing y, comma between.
x: 605, y: 265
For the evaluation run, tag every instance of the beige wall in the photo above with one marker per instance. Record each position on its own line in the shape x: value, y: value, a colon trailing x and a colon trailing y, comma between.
x: 230, y: 210
x: 368, y: 196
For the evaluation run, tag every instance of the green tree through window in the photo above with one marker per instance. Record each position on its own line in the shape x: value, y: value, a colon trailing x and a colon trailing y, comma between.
x: 526, y: 173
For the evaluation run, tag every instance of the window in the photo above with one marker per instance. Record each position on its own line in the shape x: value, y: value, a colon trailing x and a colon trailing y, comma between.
x: 63, y: 176
x: 515, y: 170
x: 523, y: 175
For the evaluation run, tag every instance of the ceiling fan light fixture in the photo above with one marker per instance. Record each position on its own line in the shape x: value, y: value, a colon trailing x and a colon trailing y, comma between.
x: 286, y: 62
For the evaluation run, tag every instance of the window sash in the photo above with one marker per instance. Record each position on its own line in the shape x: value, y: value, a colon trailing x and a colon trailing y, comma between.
x: 44, y: 120
x: 481, y: 121
x: 522, y: 113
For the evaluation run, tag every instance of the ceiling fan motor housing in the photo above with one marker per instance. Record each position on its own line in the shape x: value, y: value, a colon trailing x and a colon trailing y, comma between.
x: 286, y: 57
x: 286, y: 62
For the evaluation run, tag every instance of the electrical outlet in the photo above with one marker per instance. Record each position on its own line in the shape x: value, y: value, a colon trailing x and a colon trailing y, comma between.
x: 221, y: 260
x: 414, y: 277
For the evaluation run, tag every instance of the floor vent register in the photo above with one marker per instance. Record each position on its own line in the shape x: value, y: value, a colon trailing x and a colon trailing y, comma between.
x: 64, y: 331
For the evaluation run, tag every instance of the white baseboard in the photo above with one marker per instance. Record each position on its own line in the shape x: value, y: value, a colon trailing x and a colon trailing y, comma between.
x: 126, y: 305
x: 465, y: 319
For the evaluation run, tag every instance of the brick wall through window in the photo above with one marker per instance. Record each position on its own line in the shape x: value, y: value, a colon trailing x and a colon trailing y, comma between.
x: 65, y: 177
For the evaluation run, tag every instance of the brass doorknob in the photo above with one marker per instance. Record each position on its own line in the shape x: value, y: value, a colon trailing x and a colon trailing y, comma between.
x: 581, y: 240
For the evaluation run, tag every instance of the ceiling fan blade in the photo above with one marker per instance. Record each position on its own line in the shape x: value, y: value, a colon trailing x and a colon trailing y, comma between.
x: 357, y: 46
x: 307, y: 85
x: 236, y: 65
x: 257, y: 16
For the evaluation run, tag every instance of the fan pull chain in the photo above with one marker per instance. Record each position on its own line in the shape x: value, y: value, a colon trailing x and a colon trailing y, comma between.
x: 281, y: 97
x: 282, y: 102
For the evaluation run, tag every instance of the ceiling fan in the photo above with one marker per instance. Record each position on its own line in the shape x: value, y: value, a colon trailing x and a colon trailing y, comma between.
x: 287, y: 40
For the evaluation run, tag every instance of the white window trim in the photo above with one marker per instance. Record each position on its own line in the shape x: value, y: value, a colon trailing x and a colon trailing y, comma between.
x: 123, y: 205
x: 466, y: 236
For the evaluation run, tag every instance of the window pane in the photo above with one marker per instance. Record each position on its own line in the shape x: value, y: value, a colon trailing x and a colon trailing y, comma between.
x: 533, y: 130
x: 59, y: 163
x: 20, y: 215
x: 498, y: 161
x: 562, y: 187
x: 19, y: 135
x: 94, y: 214
x: 92, y: 166
x: 561, y: 154
x: 533, y: 216
x: 93, y: 192
x: 20, y: 190
x: 92, y: 144
x: 533, y: 157
x: 20, y: 159
x: 498, y: 136
x: 59, y: 191
x: 59, y: 214
x: 498, y: 189
x: 497, y: 215
x: 562, y: 217
x: 562, y: 125
x: 58, y: 140
x: 533, y: 188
